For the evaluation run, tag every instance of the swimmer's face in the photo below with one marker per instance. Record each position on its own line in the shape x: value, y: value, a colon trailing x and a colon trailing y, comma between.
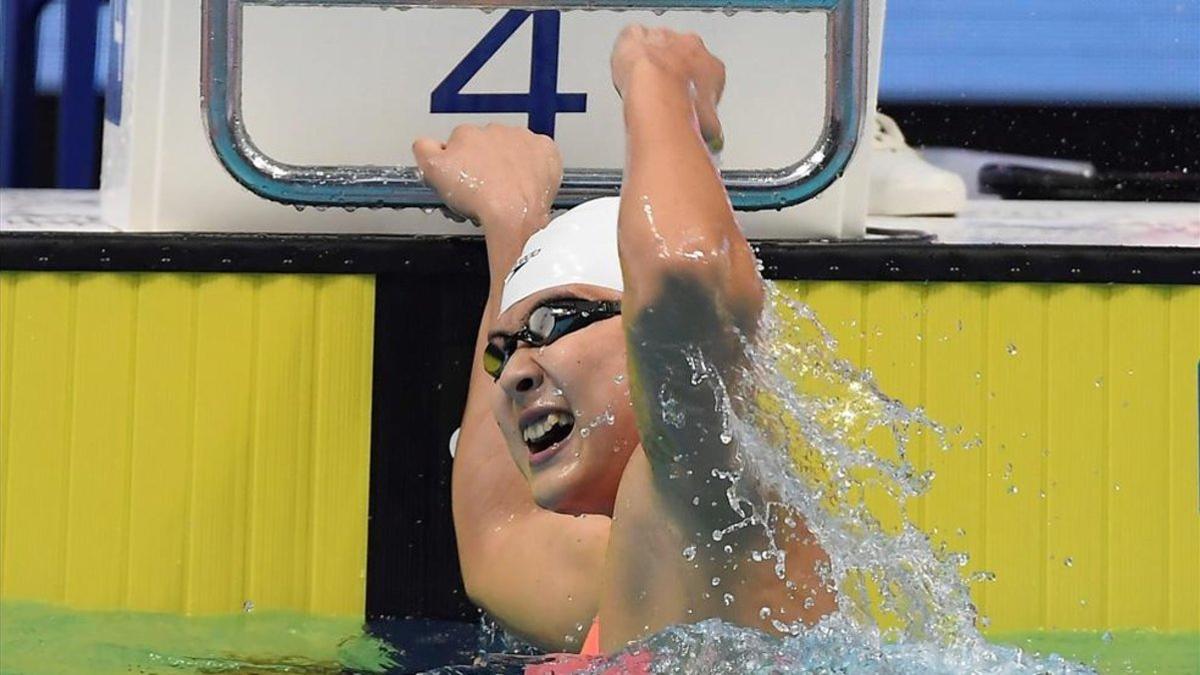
x: 564, y: 408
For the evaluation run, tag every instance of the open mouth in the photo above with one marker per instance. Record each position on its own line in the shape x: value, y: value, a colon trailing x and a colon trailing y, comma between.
x: 546, y: 432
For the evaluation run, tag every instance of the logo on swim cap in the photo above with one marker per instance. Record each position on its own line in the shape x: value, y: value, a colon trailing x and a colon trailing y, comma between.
x: 578, y: 247
x: 521, y: 263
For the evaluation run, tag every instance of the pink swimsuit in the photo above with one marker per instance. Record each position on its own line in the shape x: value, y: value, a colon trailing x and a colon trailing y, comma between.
x: 637, y: 663
x: 591, y: 644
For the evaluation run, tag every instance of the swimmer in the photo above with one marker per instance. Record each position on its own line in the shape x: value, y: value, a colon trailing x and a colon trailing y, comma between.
x: 583, y: 491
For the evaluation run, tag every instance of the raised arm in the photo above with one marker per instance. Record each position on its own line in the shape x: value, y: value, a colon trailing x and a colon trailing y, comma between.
x: 677, y: 225
x: 535, y: 571
x: 691, y: 279
x: 693, y: 295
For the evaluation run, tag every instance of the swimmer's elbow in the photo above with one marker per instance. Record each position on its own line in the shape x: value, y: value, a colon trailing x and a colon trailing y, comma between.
x: 477, y: 588
x: 480, y: 582
x: 689, y: 299
x: 722, y: 269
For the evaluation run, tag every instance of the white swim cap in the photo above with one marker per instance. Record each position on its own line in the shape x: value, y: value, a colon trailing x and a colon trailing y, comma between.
x: 578, y: 247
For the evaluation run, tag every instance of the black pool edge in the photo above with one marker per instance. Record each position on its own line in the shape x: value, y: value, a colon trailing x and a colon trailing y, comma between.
x: 897, y: 259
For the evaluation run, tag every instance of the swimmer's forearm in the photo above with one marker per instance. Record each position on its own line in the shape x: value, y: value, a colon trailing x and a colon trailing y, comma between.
x: 505, y: 236
x: 692, y: 287
x: 532, y: 570
x: 675, y: 213
x: 483, y: 467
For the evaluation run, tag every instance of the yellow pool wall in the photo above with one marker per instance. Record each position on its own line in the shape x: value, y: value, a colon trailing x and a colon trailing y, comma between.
x: 185, y: 442
x: 190, y: 442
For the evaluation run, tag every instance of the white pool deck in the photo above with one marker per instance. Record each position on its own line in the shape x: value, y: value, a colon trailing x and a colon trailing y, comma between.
x: 985, y: 221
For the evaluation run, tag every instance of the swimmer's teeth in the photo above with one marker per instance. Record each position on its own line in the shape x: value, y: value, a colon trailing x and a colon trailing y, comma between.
x: 534, y: 432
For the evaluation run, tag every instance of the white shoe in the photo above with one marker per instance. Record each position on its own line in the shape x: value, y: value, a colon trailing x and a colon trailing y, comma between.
x: 903, y: 184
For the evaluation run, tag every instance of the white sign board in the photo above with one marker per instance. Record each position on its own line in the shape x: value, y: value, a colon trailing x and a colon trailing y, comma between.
x: 355, y: 85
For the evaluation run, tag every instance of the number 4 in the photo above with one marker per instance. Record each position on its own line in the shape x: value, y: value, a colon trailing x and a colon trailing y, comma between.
x: 542, y: 103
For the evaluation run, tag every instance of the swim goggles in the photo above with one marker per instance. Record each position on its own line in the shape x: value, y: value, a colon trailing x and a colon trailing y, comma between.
x: 546, y: 324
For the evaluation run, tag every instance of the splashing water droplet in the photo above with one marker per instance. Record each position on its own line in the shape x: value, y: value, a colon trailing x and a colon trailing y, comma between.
x: 727, y: 599
x: 716, y: 581
x: 689, y: 553
x: 672, y: 411
x: 771, y: 409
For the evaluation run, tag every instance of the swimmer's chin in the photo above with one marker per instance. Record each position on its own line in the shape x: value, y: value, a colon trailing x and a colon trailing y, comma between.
x: 556, y: 500
x: 557, y: 487
x: 562, y: 500
x: 570, y: 507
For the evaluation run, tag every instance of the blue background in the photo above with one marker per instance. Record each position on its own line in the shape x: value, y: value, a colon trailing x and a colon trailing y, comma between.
x: 1085, y: 51
x: 971, y: 51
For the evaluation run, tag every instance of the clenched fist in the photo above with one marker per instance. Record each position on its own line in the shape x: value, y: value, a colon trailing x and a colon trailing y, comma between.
x: 498, y: 176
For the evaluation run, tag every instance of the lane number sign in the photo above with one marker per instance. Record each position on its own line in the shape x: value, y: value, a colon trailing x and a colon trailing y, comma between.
x: 543, y: 102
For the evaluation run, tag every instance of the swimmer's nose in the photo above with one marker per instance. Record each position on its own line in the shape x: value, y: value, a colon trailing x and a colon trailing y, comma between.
x: 521, y: 375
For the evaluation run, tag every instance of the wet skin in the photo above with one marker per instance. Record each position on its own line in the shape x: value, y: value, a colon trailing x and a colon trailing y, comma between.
x: 583, y: 374
x: 547, y: 542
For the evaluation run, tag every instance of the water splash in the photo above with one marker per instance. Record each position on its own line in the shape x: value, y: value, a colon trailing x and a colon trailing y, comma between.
x: 816, y: 436
x: 672, y: 410
x: 834, y: 646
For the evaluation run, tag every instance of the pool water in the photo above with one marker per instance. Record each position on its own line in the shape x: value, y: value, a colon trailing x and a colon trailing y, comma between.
x: 38, y: 639
x: 1116, y: 652
x: 44, y: 640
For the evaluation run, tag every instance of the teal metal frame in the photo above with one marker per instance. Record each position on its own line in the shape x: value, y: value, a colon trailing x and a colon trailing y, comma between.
x: 846, y: 98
